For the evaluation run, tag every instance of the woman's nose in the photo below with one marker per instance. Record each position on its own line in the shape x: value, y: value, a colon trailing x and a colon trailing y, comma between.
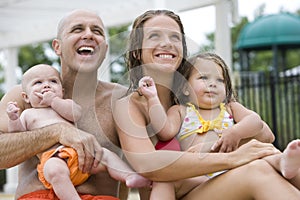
x: 165, y: 42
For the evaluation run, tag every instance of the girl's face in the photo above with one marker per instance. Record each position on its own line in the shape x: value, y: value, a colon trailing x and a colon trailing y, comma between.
x: 162, y: 44
x: 207, y: 83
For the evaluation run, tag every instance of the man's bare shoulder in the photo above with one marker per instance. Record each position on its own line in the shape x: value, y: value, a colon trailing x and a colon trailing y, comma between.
x: 113, y: 90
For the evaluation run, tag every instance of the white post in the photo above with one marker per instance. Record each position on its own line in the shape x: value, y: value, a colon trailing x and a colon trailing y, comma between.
x: 222, y: 34
x: 11, y: 57
x: 104, y: 69
x: 11, y: 180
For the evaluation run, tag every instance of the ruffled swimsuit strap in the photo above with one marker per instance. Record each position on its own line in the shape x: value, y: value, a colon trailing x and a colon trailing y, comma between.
x: 206, y: 125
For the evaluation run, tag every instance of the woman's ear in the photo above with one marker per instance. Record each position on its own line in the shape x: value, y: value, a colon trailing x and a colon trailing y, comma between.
x: 56, y: 46
x: 136, y: 55
x: 25, y: 97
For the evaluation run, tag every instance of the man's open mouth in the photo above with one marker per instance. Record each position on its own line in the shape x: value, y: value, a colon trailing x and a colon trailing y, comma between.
x: 85, y: 50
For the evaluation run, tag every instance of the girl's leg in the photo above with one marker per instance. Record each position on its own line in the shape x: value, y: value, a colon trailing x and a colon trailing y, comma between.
x: 256, y: 180
x: 57, y: 173
x: 162, y: 190
x: 120, y: 171
x: 288, y: 163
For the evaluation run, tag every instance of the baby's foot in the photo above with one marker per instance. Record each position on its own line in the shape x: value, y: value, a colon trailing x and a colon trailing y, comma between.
x: 137, y: 181
x: 290, y: 162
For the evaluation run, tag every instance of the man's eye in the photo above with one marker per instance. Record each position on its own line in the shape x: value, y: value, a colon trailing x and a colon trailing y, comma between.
x: 76, y: 29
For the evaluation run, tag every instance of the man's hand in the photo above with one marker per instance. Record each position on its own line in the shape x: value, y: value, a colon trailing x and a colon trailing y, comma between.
x: 87, y: 147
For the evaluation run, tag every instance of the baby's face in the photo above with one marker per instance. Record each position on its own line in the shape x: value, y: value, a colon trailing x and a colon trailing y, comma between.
x: 40, y: 83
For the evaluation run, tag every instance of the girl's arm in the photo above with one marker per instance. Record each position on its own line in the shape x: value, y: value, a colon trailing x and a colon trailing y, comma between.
x: 165, y: 125
x: 248, y: 125
x: 162, y: 165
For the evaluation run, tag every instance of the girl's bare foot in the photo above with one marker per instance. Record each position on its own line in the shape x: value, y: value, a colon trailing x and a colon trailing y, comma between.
x: 290, y: 162
x: 135, y: 180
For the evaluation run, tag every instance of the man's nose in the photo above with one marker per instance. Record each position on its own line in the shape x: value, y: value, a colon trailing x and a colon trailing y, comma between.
x: 87, y: 34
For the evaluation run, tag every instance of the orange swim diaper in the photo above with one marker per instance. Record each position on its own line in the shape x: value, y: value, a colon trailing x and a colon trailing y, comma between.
x: 71, y: 157
x: 49, y: 194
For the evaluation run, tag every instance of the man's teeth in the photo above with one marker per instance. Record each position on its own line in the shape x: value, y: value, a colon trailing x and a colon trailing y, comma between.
x: 165, y: 56
x: 90, y: 49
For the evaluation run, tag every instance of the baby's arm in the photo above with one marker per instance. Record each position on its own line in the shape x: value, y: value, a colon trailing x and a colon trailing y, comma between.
x: 120, y: 171
x: 248, y: 125
x: 166, y: 125
x: 67, y: 108
x: 14, y: 122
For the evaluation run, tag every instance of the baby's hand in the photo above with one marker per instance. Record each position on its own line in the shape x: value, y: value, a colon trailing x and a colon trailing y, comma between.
x: 227, y: 143
x: 12, y: 110
x: 47, y: 98
x: 147, y: 87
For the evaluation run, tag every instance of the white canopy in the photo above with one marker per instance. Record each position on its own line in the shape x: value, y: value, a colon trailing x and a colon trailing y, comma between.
x: 24, y: 22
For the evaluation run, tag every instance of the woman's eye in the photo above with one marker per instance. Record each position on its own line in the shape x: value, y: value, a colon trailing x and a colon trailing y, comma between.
x: 176, y: 38
x: 154, y: 36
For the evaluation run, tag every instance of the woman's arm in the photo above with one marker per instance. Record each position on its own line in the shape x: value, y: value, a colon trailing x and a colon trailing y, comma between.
x: 160, y: 165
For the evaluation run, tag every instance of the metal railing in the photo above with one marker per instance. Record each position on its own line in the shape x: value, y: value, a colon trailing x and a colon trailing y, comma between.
x: 276, y: 97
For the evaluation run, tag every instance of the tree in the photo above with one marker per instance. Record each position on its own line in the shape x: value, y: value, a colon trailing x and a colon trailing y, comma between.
x: 33, y: 54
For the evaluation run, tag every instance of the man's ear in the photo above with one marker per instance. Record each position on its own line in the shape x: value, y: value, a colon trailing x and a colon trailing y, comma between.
x: 25, y: 97
x: 56, y: 46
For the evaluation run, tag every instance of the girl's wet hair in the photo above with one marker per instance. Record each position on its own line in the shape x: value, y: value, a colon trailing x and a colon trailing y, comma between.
x: 133, y: 55
x: 186, y: 71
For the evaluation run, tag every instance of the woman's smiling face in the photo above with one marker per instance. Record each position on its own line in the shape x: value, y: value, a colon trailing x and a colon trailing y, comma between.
x: 162, y: 43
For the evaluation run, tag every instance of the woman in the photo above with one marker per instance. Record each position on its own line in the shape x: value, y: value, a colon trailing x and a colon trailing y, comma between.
x: 157, y: 49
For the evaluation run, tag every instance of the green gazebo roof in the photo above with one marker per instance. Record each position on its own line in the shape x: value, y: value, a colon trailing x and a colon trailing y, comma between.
x: 279, y: 29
